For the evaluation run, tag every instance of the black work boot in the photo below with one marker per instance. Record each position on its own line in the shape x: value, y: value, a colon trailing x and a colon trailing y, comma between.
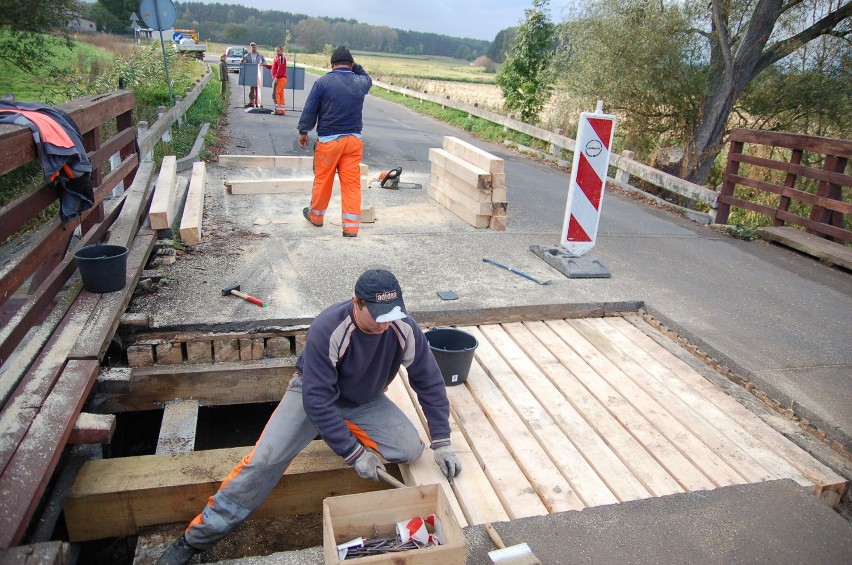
x: 306, y: 212
x: 179, y: 552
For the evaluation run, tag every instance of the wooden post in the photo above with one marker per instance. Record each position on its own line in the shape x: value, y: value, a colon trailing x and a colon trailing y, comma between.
x: 728, y: 185
x: 790, y: 182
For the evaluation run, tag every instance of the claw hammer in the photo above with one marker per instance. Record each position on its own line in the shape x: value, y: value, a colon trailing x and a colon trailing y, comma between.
x: 235, y: 290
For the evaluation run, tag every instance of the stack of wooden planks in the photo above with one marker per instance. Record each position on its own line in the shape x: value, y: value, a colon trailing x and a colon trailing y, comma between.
x: 469, y: 182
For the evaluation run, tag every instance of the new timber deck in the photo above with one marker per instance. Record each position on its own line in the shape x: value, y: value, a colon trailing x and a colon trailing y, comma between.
x: 555, y: 415
x: 567, y: 414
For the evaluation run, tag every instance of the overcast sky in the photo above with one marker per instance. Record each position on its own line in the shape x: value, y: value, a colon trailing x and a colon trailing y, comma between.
x: 478, y: 19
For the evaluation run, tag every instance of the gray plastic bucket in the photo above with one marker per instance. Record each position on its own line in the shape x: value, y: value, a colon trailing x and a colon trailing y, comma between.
x: 103, y: 268
x: 453, y: 350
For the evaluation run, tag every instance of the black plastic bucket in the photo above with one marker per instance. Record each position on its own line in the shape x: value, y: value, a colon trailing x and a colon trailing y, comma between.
x: 453, y: 350
x: 103, y: 268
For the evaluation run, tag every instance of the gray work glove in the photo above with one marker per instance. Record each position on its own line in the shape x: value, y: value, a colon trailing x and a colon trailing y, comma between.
x: 446, y: 459
x: 366, y: 465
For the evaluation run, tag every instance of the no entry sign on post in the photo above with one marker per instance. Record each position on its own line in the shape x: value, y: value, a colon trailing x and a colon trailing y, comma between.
x: 588, y: 179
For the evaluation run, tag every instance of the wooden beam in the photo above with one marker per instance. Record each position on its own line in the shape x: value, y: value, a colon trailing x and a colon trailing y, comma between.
x: 114, y: 497
x: 267, y: 161
x: 476, y: 220
x: 273, y: 186
x: 471, y: 174
x: 476, y: 201
x: 473, y: 154
x: 148, y: 388
x: 177, y: 430
x: 162, y: 209
x: 190, y: 224
x: 92, y: 428
x: 815, y: 246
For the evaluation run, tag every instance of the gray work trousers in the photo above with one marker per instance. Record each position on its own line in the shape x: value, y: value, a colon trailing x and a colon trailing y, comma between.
x: 289, y: 431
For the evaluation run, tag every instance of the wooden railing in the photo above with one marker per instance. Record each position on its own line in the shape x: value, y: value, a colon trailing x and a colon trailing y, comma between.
x: 36, y: 264
x: 825, y: 207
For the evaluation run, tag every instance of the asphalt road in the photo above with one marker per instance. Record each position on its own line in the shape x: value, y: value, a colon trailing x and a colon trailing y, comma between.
x: 778, y: 318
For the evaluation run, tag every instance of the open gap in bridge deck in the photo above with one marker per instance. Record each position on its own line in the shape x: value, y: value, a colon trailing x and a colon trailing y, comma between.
x: 567, y: 414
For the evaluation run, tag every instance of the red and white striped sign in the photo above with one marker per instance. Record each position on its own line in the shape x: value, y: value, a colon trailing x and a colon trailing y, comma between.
x: 588, y: 179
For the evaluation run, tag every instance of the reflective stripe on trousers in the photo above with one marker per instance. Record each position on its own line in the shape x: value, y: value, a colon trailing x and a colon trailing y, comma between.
x: 278, y: 87
x: 379, y: 425
x: 343, y: 157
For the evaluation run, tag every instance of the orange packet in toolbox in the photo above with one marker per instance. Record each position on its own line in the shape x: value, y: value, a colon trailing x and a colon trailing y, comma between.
x: 423, y: 530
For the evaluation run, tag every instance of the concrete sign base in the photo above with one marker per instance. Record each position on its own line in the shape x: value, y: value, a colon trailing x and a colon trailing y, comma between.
x: 570, y: 266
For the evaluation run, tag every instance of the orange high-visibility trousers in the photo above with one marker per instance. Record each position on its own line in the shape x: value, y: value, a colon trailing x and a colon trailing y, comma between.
x: 278, y: 88
x: 341, y: 156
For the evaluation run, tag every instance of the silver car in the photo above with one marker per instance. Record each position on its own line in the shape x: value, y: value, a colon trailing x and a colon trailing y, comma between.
x: 233, y: 56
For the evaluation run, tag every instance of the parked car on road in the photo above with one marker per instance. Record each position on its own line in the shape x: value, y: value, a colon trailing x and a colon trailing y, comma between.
x: 233, y: 56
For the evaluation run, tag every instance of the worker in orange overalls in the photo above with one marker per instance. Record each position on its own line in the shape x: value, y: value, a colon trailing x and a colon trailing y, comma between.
x: 279, y: 80
x: 335, y: 106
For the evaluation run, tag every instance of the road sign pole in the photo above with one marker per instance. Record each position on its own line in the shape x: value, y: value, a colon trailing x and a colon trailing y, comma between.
x: 163, y: 47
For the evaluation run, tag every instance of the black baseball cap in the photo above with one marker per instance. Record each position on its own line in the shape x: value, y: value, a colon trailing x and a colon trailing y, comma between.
x: 380, y: 291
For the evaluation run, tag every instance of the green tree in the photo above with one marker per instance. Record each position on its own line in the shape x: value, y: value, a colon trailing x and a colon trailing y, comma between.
x: 25, y: 26
x: 501, y: 45
x: 526, y: 78
x: 682, y: 66
x: 122, y: 9
x: 313, y: 34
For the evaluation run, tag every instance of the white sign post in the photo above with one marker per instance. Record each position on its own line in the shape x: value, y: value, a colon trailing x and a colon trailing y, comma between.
x: 588, y: 181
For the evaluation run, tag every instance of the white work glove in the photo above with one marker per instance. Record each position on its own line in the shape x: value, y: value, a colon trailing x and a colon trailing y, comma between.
x: 446, y: 459
x: 367, y: 464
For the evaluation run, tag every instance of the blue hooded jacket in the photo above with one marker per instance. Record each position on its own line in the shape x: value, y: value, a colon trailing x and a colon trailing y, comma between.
x: 336, y: 102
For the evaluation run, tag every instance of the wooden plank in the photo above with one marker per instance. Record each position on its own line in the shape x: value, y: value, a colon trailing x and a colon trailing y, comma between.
x: 720, y: 432
x: 456, y: 208
x: 177, y: 430
x: 828, y: 485
x: 92, y: 428
x: 190, y: 224
x: 25, y: 477
x: 581, y: 477
x: 114, y: 497
x: 273, y: 186
x: 816, y: 144
x: 718, y: 470
x: 823, y: 249
x: 552, y: 487
x: 162, y: 211
x: 95, y: 337
x: 210, y: 384
x: 587, y: 371
x: 518, y: 347
x: 467, y: 172
x: 423, y: 471
x: 472, y: 488
x: 503, y: 473
x: 267, y: 161
x: 653, y: 476
x: 794, y: 168
x: 473, y: 154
